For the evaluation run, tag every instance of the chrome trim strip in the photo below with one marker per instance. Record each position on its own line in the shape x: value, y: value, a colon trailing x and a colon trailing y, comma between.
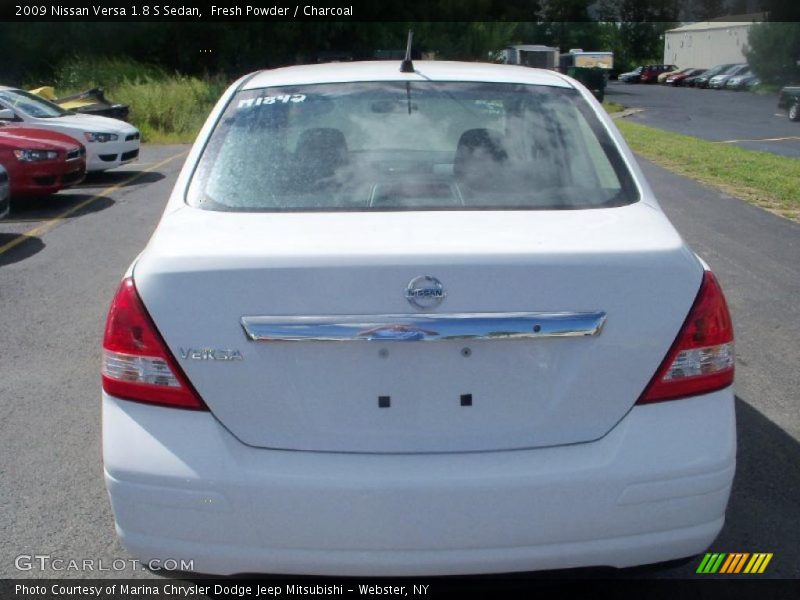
x: 422, y: 327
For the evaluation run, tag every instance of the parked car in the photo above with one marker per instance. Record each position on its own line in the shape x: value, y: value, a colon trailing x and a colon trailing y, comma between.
x: 650, y: 73
x: 752, y: 82
x: 631, y: 76
x: 40, y: 162
x: 662, y: 78
x: 742, y: 82
x: 718, y: 81
x: 702, y: 80
x: 690, y: 81
x: 679, y: 78
x: 391, y: 324
x: 5, y: 193
x: 109, y: 142
x: 789, y: 100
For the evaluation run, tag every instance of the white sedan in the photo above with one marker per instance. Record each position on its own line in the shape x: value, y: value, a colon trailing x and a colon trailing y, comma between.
x: 109, y: 142
x: 416, y: 323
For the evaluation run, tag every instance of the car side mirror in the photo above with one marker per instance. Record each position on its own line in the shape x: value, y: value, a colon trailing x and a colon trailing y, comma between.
x: 6, y: 114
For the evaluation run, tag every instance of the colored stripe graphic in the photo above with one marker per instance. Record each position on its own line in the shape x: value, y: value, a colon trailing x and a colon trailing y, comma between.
x: 702, y: 567
x: 722, y: 563
x: 758, y: 563
x: 765, y: 563
x: 711, y: 563
x: 752, y: 563
x: 741, y: 562
x: 715, y: 567
x: 729, y: 562
x: 734, y: 563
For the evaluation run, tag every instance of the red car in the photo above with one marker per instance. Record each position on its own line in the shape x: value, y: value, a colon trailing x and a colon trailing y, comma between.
x: 650, y: 73
x: 679, y: 78
x: 40, y: 162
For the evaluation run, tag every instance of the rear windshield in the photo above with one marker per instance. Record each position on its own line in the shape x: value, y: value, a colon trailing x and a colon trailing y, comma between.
x: 409, y: 146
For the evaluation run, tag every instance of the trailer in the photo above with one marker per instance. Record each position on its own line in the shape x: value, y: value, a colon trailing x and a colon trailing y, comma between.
x: 531, y: 55
x: 587, y: 60
x: 590, y: 68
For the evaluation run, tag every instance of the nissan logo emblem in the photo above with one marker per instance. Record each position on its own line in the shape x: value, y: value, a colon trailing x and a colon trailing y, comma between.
x: 425, y: 292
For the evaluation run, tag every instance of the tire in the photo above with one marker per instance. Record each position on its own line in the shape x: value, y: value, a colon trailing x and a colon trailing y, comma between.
x: 794, y: 111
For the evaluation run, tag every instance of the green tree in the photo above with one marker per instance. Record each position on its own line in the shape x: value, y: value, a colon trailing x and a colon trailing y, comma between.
x: 774, y: 52
x: 704, y: 10
x: 637, y: 28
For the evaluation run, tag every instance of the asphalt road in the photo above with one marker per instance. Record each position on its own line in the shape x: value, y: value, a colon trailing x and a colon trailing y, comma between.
x: 56, y: 283
x: 741, y: 118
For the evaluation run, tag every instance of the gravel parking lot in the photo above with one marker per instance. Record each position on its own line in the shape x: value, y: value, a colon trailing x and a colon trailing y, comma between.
x: 61, y: 259
x: 743, y: 118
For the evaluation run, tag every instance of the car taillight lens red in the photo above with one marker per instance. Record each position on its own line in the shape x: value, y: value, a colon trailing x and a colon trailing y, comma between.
x: 701, y: 359
x: 137, y: 365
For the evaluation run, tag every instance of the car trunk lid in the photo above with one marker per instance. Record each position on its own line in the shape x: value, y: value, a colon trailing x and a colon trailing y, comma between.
x: 398, y: 387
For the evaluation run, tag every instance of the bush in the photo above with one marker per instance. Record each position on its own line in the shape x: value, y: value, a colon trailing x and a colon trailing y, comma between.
x: 774, y: 52
x: 81, y: 72
x: 169, y: 110
x: 166, y: 107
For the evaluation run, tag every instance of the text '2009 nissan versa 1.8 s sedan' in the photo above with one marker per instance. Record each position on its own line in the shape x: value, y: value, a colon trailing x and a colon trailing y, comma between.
x: 415, y: 323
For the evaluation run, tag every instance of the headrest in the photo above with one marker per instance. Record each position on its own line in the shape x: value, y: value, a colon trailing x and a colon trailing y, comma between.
x: 479, y: 156
x: 322, y: 144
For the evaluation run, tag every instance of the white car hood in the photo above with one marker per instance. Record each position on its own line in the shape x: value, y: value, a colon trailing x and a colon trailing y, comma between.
x: 84, y: 122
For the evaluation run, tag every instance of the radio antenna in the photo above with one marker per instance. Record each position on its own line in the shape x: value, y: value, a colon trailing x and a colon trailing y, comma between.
x: 407, y: 66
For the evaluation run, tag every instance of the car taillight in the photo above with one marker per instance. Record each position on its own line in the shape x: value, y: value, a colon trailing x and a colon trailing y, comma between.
x: 137, y: 365
x: 701, y: 358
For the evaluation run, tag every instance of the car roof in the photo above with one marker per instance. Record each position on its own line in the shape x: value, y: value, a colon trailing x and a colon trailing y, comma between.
x: 389, y: 70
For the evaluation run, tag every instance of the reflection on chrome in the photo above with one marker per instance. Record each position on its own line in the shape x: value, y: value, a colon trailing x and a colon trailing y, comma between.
x: 422, y: 328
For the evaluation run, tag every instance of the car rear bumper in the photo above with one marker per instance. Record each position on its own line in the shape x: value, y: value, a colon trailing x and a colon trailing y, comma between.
x: 655, y: 488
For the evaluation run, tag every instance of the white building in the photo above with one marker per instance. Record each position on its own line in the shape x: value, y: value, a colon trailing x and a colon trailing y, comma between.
x: 709, y: 43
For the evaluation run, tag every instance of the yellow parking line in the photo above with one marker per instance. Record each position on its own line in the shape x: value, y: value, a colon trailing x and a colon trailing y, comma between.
x: 51, y: 223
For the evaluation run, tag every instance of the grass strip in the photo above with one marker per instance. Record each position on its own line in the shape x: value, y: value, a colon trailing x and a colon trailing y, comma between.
x: 612, y: 107
x: 761, y: 178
